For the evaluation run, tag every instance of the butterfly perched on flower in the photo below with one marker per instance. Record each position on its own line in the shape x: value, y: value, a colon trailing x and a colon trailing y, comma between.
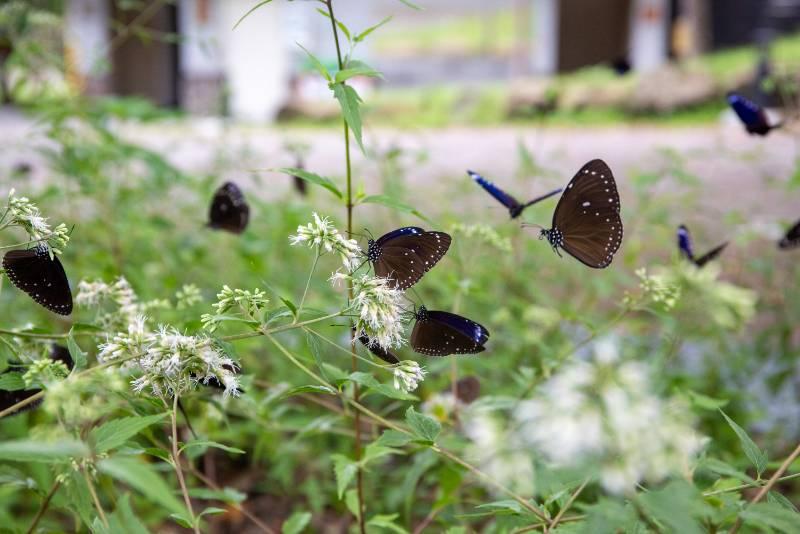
x: 9, y: 398
x: 41, y: 276
x: 404, y: 255
x: 439, y: 333
x: 384, y: 354
x: 515, y: 208
x: 229, y: 210
x: 792, y: 237
x: 753, y: 116
x: 586, y: 222
x: 685, y: 247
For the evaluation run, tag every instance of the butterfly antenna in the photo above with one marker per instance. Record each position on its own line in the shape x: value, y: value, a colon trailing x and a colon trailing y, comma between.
x: 531, y: 225
x: 186, y: 417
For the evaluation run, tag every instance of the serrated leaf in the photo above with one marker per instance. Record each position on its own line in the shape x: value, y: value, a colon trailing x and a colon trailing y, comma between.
x: 756, y: 456
x: 423, y: 426
x: 296, y: 523
x: 25, y: 450
x: 361, y: 36
x: 350, y: 103
x: 291, y: 306
x: 675, y: 505
x: 781, y: 500
x: 205, y: 444
x: 142, y: 477
x: 11, y: 381
x: 315, y: 179
x: 769, y: 515
x: 373, y: 451
x: 389, y: 202
x: 75, y: 352
x: 351, y: 501
x: 317, y: 64
x: 117, y: 431
x: 258, y: 5
x: 345, y: 469
x: 367, y: 380
x: 393, y: 438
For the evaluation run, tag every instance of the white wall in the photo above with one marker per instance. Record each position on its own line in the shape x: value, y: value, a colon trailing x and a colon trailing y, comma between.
x: 86, y: 38
x: 649, y: 37
x: 545, y: 36
x: 200, y: 52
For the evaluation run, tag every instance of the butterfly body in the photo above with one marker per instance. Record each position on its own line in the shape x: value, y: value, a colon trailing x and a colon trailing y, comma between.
x: 385, y: 355
x: 229, y: 211
x: 753, y: 116
x: 792, y: 238
x: 586, y: 222
x: 515, y: 207
x: 440, y: 333
x: 41, y: 277
x: 685, y: 247
x: 404, y: 255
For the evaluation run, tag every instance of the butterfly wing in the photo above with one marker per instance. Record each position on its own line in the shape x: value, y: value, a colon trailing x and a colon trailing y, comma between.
x: 439, y: 333
x: 383, y: 354
x: 406, y: 254
x: 42, y: 278
x: 229, y: 210
x: 751, y: 114
x: 792, y: 237
x: 710, y: 255
x: 501, y: 196
x: 685, y: 243
x: 587, y: 216
x: 539, y: 199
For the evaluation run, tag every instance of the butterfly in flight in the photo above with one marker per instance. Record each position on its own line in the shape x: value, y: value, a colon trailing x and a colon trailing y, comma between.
x: 299, y: 183
x: 792, y: 237
x: 515, y: 208
x: 229, y: 210
x: 385, y: 355
x: 468, y: 389
x: 685, y: 246
x: 406, y: 254
x: 439, y: 333
x: 41, y: 277
x: 10, y: 398
x: 586, y: 222
x: 753, y: 116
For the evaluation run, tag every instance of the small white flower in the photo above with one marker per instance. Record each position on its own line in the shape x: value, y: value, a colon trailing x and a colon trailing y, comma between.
x: 22, y: 212
x: 407, y: 375
x: 380, y: 315
x: 322, y: 234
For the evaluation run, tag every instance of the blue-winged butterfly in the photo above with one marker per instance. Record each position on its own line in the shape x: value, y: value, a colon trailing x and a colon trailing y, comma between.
x: 687, y: 251
x: 439, y: 333
x: 406, y: 254
x: 515, y: 208
x: 41, y: 276
x: 753, y: 116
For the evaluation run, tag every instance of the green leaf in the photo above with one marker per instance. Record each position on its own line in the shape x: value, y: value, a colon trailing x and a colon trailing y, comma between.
x: 344, y: 29
x: 411, y: 5
x: 75, y: 352
x: 25, y: 450
x: 205, y: 444
x: 211, y: 510
x: 228, y: 495
x: 676, y: 506
x: 367, y: 380
x: 117, y: 431
x: 317, y: 64
x: 394, y: 204
x: 393, y: 438
x: 374, y: 451
x: 359, y: 70
x: 721, y: 468
x: 315, y: 179
x: 291, y: 306
x: 704, y: 402
x: 505, y: 507
x: 345, y: 469
x: 349, y: 101
x: 756, y: 456
x: 769, y: 516
x: 423, y: 426
x: 144, y: 478
x: 310, y: 388
x: 361, y: 36
x: 781, y: 500
x: 263, y: 2
x: 296, y: 523
x: 122, y: 521
x: 386, y: 521
x: 11, y: 381
x: 351, y: 501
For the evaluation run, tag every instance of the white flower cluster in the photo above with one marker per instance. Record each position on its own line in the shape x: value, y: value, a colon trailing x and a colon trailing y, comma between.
x: 322, y: 234
x: 120, y: 293
x: 22, y: 212
x: 380, y: 315
x: 187, y: 296
x: 407, y: 375
x: 171, y: 363
x: 604, y: 413
x: 250, y: 304
x: 659, y: 289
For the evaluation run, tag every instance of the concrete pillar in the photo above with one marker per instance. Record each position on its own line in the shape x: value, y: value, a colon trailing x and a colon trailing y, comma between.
x: 649, y: 34
x: 544, y: 54
x: 87, y: 45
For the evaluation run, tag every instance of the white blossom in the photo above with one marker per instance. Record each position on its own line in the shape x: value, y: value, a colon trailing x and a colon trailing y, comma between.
x: 22, y: 212
x: 380, y: 315
x: 326, y: 238
x: 407, y: 375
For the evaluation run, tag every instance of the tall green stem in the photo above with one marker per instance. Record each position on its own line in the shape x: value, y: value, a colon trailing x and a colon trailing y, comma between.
x: 176, y: 461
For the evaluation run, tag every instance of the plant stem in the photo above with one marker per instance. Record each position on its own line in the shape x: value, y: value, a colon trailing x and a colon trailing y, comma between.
x: 768, y: 486
x: 177, y: 463
x: 97, y: 504
x: 34, y: 335
x: 282, y: 328
x: 745, y: 486
x: 308, y: 283
x: 43, y: 507
x: 349, y: 200
x: 566, y: 506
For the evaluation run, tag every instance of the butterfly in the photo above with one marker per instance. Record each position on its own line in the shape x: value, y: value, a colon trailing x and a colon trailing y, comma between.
x: 41, y: 277
x: 586, y: 222
x: 406, y: 254
x: 299, y: 183
x: 229, y: 210
x: 515, y: 208
x: 752, y: 115
x: 685, y: 246
x: 792, y: 237
x: 10, y: 398
x: 468, y: 389
x: 439, y: 333
x: 380, y: 352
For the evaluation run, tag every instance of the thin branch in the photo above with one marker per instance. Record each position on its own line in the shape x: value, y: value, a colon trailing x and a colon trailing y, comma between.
x: 177, y: 463
x: 43, y: 507
x: 566, y: 506
x: 93, y: 493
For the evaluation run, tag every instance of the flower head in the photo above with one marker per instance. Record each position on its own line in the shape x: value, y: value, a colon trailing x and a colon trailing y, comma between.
x: 407, y: 375
x: 322, y: 234
x: 380, y: 316
x: 24, y: 213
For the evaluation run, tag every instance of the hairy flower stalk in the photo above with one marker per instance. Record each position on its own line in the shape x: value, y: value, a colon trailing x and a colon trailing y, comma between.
x: 322, y: 234
x: 603, y: 412
x: 407, y: 375
x: 24, y: 213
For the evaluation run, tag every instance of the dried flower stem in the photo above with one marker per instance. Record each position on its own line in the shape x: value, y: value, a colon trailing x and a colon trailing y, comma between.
x: 92, y: 491
x: 44, y: 506
x: 177, y: 463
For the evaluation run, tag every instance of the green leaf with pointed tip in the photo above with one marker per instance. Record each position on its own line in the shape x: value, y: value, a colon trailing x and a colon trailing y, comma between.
x: 359, y: 70
x: 296, y: 523
x: 206, y: 444
x: 291, y: 306
x: 315, y: 179
x: 317, y: 64
x: 345, y: 469
x: 310, y: 388
x: 117, y: 431
x: 11, y: 381
x: 258, y: 5
x: 770, y: 516
x: 28, y: 450
x: 756, y: 456
x: 361, y: 36
x: 393, y: 438
x: 75, y: 352
x: 394, y: 204
x: 424, y: 427
x: 350, y: 103
x: 142, y: 477
x: 386, y: 522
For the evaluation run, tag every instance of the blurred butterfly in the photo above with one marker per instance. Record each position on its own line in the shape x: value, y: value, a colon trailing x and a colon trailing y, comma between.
x: 439, y: 333
x: 586, y: 222
x: 377, y: 350
x: 229, y: 210
x: 10, y: 398
x: 468, y: 389
x: 41, y: 277
x: 685, y: 246
x: 515, y: 208
x: 406, y: 254
x: 753, y: 116
x: 792, y: 237
x: 299, y: 183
